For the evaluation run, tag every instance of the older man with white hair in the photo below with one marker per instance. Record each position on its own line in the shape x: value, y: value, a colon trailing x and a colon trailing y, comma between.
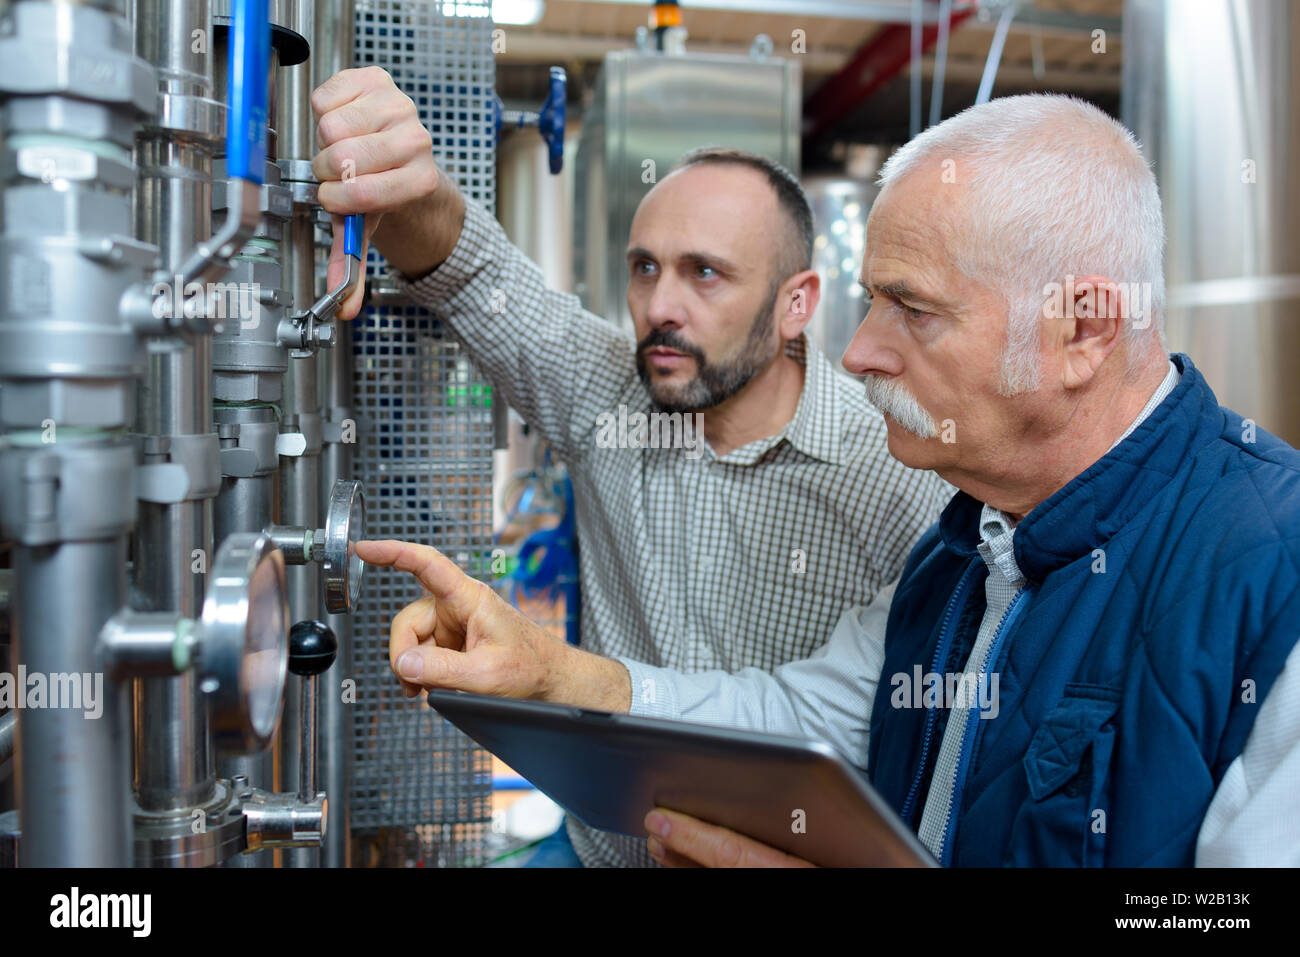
x: 1116, y: 585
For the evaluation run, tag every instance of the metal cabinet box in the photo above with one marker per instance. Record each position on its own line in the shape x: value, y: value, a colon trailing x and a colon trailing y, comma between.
x: 648, y: 109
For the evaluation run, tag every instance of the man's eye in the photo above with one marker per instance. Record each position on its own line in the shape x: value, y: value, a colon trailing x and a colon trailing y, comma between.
x: 705, y: 272
x: 910, y: 312
x: 643, y: 268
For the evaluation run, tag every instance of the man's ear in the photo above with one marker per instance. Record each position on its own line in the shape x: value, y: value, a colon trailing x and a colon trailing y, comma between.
x: 1091, y: 328
x: 800, y: 294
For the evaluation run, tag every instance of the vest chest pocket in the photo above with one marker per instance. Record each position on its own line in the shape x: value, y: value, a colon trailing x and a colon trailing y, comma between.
x: 1065, y: 820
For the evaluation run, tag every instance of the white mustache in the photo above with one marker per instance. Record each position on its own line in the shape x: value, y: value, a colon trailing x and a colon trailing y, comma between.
x: 892, y: 398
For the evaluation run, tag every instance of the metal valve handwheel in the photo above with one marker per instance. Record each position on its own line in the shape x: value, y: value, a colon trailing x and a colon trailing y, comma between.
x: 244, y: 648
x: 345, y: 525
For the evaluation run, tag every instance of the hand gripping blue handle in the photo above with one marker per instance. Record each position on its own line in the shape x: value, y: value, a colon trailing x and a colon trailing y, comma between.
x: 550, y: 121
x: 353, y: 227
x: 250, y: 58
x: 353, y: 268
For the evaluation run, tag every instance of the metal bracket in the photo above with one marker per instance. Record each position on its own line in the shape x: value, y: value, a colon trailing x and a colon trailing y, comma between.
x: 187, y: 471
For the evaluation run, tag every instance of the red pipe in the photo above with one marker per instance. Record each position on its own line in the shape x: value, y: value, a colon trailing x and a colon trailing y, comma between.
x: 877, y: 62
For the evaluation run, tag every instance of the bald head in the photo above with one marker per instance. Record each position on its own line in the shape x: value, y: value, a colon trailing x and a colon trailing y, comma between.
x: 791, y: 234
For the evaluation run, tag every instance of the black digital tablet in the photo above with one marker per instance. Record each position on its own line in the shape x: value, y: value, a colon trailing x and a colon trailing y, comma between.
x: 610, y: 770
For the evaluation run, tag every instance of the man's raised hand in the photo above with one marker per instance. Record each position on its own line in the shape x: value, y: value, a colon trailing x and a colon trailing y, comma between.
x: 376, y: 157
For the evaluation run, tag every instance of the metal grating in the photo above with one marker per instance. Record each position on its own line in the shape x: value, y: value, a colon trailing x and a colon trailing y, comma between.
x: 425, y: 456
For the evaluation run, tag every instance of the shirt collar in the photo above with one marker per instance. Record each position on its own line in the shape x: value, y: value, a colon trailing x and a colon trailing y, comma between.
x: 997, y: 541
x: 814, y: 429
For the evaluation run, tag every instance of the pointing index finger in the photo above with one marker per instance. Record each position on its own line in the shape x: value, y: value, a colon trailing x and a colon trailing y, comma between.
x: 434, y: 570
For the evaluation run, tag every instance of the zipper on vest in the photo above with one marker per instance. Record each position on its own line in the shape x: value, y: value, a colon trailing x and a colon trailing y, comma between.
x: 940, y: 651
x: 967, y: 746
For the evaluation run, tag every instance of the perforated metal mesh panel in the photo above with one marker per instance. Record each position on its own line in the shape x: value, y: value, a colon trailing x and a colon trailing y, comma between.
x: 425, y: 455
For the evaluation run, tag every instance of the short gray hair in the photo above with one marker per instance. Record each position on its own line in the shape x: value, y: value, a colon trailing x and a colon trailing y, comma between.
x: 1057, y: 188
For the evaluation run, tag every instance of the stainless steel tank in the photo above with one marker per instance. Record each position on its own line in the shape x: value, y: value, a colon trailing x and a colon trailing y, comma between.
x: 1210, y: 90
x: 840, y: 206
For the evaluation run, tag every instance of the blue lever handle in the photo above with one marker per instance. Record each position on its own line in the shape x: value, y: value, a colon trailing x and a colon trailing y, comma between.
x: 550, y: 121
x: 353, y: 228
x: 250, y: 58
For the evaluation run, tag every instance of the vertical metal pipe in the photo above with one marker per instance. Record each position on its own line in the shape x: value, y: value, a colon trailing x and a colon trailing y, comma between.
x: 300, y: 497
x: 8, y: 730
x: 73, y: 769
x: 68, y: 361
x: 331, y: 52
x: 335, y: 738
x: 294, y: 119
x: 306, y: 760
x: 173, y: 762
x: 940, y: 62
x: 247, y: 386
x: 332, y: 46
x: 243, y: 506
x: 914, y: 81
x: 247, y: 505
x: 300, y: 506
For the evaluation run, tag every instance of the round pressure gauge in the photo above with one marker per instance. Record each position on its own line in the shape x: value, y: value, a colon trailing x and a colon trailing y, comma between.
x: 243, y: 644
x: 345, y: 525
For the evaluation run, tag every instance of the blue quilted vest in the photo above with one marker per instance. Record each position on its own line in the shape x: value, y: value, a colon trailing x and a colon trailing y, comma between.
x: 1162, y: 600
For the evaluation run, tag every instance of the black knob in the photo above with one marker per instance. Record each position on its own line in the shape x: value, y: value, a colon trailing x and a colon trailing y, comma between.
x: 312, y: 648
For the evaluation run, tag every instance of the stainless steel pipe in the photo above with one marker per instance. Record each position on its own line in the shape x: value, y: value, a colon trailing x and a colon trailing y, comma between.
x: 332, y: 51
x: 173, y: 762
x: 74, y: 766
